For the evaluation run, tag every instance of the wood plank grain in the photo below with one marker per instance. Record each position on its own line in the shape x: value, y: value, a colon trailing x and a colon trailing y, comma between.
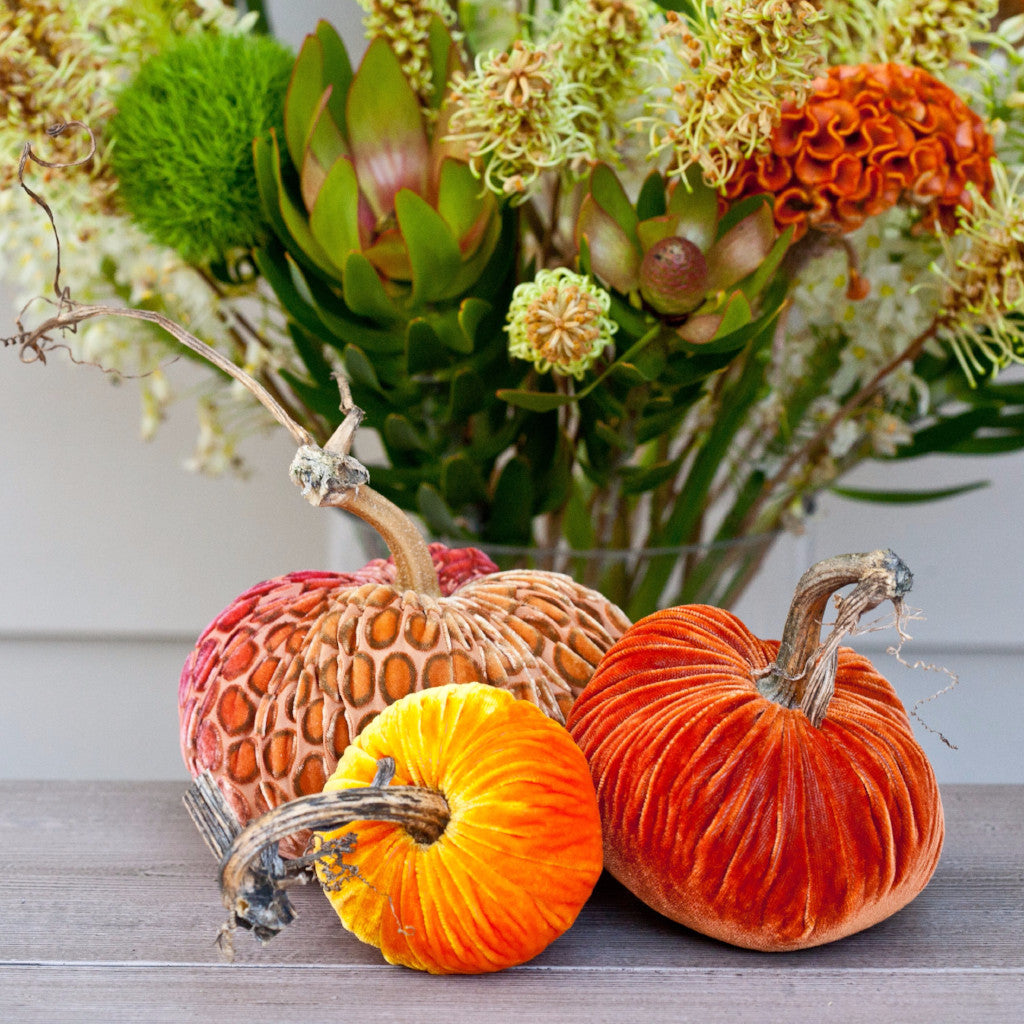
x: 114, y: 872
x: 122, y: 995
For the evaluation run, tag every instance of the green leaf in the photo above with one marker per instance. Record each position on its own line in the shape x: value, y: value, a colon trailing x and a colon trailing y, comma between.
x: 754, y: 284
x: 400, y: 434
x: 737, y: 314
x: 324, y: 144
x: 611, y: 436
x: 608, y: 249
x: 444, y: 59
x: 628, y: 373
x: 651, y: 201
x: 638, y: 479
x: 512, y: 506
x: 305, y: 89
x: 632, y: 322
x: 385, y: 129
x: 319, y: 400
x: 287, y: 217
x: 435, y: 512
x: 666, y: 421
x: 896, y: 497
x: 650, y: 363
x: 1000, y: 444
x: 337, y: 69
x: 424, y: 351
x: 460, y: 200
x: 472, y: 313
x: 578, y: 526
x: 555, y: 483
x: 312, y: 300
x: 311, y: 351
x: 467, y: 395
x: 334, y: 220
x: 277, y: 268
x: 535, y: 401
x: 462, y: 483
x: 948, y: 433
x: 611, y: 197
x: 737, y: 212
x: 364, y: 293
x: 693, y: 207
x: 360, y: 370
x: 433, y: 252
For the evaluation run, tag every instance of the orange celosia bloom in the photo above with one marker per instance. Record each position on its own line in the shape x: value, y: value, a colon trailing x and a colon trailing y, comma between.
x: 869, y: 137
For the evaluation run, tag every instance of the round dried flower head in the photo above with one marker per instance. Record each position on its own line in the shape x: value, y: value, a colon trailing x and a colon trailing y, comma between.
x: 559, y: 322
x: 736, y: 59
x: 870, y: 136
x: 516, y: 117
x: 983, y: 300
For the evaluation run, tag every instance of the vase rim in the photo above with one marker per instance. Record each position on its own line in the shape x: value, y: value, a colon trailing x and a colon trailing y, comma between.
x: 563, y: 550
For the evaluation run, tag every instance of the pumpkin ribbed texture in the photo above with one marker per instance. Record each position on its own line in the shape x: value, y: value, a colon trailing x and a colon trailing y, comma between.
x: 733, y: 814
x: 518, y: 858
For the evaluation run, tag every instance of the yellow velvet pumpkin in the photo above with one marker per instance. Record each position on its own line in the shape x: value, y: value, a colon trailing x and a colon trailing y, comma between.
x: 517, y: 858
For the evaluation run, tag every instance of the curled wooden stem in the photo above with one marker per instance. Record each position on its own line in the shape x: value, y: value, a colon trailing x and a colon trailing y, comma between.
x: 327, y: 476
x: 330, y: 476
x: 254, y: 878
x: 804, y: 672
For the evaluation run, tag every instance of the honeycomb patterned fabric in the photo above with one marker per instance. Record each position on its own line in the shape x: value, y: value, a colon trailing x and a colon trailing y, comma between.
x: 279, y: 684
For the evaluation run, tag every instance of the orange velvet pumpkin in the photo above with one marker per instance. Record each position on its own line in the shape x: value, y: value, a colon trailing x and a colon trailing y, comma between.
x: 518, y: 857
x: 733, y: 802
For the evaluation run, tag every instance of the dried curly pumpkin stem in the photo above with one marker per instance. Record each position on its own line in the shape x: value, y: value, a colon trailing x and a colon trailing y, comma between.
x: 804, y: 672
x: 254, y: 878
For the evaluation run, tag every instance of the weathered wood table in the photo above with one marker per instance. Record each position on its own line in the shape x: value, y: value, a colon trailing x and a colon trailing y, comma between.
x: 109, y: 912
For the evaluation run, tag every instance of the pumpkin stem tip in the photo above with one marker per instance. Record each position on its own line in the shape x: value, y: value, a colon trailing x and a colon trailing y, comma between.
x: 803, y: 675
x: 253, y: 875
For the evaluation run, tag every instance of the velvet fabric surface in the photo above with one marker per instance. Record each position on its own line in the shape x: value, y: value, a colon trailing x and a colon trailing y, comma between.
x: 518, y: 857
x: 734, y: 815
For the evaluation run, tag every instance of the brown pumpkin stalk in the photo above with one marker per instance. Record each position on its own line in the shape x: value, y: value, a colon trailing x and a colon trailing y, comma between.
x: 480, y: 860
x: 254, y: 878
x: 804, y: 673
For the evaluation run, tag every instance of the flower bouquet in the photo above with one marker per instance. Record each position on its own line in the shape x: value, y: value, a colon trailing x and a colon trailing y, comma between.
x: 603, y: 275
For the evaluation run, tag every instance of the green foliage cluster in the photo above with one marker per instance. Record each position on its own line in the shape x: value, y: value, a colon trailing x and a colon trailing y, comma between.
x: 182, y: 141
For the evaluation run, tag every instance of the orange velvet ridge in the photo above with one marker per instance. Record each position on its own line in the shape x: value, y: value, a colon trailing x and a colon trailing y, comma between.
x: 518, y: 858
x: 735, y: 816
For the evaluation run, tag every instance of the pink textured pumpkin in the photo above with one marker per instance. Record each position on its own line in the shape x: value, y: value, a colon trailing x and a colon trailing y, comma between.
x: 234, y: 723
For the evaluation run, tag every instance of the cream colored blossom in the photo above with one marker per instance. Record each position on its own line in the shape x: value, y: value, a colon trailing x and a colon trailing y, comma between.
x: 983, y: 277
x: 736, y: 61
x: 405, y: 25
x: 609, y: 48
x: 559, y: 322
x: 930, y: 34
x: 516, y: 116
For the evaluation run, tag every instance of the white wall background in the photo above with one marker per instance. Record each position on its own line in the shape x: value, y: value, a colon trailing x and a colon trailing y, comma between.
x: 113, y: 559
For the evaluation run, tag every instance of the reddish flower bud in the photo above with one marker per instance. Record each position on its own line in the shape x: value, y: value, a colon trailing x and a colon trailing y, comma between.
x: 674, y: 276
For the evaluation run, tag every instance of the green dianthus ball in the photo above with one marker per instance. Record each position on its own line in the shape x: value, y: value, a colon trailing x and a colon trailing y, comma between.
x: 182, y: 140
